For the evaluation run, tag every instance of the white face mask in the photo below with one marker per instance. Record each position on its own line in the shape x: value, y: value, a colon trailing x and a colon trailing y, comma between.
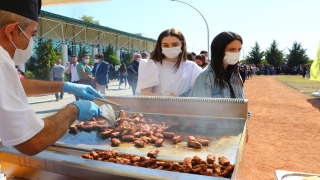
x: 96, y: 61
x: 231, y: 58
x: 171, y: 52
x: 86, y: 61
x: 139, y: 59
x: 21, y: 56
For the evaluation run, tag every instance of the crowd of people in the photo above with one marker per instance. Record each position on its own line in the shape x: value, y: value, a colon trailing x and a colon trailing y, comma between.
x: 168, y: 71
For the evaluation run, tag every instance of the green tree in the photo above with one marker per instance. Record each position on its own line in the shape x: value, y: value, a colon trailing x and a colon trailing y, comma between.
x: 89, y: 19
x: 255, y: 55
x: 47, y: 56
x: 127, y: 57
x: 273, y: 55
x: 297, y: 55
x: 110, y: 56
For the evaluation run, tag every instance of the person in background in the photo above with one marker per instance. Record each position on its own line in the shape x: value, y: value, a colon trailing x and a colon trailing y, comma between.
x: 189, y: 57
x: 123, y: 75
x: 20, y: 126
x: 84, y: 72
x: 72, y: 70
x: 132, y: 70
x: 90, y: 66
x: 116, y: 68
x: 201, y: 61
x: 68, y: 76
x: 20, y: 73
x: 100, y: 72
x: 242, y: 71
x: 205, y: 53
x: 111, y: 73
x: 57, y: 74
x: 167, y: 72
x: 144, y: 55
x: 193, y: 56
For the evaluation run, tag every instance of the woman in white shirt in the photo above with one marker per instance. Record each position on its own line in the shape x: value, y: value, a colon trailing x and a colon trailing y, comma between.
x: 167, y: 72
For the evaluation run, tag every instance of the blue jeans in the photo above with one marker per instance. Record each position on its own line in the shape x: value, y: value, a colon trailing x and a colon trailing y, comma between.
x: 123, y: 79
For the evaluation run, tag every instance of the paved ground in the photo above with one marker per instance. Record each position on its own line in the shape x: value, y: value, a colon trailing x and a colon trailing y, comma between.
x: 47, y: 105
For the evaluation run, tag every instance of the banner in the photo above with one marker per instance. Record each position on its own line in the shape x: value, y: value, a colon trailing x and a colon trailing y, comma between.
x: 315, y: 67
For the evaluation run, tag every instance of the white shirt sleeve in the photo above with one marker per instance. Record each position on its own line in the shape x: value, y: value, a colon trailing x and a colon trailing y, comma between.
x: 148, y: 75
x: 18, y: 122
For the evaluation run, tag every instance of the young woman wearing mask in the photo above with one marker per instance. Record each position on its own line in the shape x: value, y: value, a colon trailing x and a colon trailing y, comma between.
x: 221, y: 79
x: 201, y: 60
x: 167, y: 73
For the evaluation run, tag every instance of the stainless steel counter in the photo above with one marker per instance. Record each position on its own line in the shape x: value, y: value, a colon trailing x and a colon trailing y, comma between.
x: 64, y: 157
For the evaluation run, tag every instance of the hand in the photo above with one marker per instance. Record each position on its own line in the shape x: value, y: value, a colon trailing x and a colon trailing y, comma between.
x: 87, y: 109
x: 172, y: 94
x: 81, y: 91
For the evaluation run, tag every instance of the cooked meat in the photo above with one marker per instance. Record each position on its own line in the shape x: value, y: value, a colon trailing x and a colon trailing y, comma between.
x: 86, y: 156
x: 159, y: 135
x: 187, y: 162
x: 196, y: 170
x: 145, y: 133
x: 139, y: 143
x: 115, y: 134
x: 211, y: 159
x: 145, y: 139
x: 203, y: 142
x: 223, y: 161
x: 73, y: 130
x: 168, y: 135
x: 176, y: 166
x: 106, y: 134
x: 167, y: 164
x: 176, y: 139
x: 159, y: 142
x: 203, y: 167
x: 135, y: 159
x: 153, y: 153
x: 148, y: 162
x: 196, y: 160
x: 153, y: 138
x: 195, y: 144
x: 115, y: 142
x: 137, y: 134
x: 160, y: 130
x: 227, y: 171
x: 191, y: 138
x: 94, y: 154
x: 128, y: 138
x: 216, y: 168
x: 209, y: 172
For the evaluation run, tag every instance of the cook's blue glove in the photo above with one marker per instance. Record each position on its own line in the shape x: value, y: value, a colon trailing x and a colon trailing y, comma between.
x: 81, y: 91
x: 87, y: 109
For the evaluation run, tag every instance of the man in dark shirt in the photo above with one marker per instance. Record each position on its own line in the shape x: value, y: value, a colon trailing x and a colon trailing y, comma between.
x: 132, y: 70
x: 57, y: 74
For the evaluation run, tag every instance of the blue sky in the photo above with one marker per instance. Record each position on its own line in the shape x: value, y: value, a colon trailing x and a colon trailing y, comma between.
x: 263, y: 21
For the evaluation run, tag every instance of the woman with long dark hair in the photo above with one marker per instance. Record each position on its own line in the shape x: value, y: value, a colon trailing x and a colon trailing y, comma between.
x: 221, y: 79
x: 123, y: 75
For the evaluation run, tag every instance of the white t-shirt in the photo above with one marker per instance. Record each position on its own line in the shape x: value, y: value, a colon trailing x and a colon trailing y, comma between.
x: 165, y: 79
x: 18, y: 122
x: 74, y: 73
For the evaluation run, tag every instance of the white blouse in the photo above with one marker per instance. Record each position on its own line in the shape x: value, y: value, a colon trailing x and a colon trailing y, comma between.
x: 165, y: 78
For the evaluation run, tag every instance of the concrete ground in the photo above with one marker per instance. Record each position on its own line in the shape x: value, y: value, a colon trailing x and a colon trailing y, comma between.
x: 47, y: 105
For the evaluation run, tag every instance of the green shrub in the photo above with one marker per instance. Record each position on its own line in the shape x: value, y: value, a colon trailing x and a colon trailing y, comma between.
x: 29, y: 75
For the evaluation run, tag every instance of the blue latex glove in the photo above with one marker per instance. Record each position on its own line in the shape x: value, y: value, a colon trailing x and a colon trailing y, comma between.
x: 81, y: 91
x: 87, y: 109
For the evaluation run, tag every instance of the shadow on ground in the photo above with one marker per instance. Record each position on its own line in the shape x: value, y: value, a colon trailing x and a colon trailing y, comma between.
x: 315, y: 102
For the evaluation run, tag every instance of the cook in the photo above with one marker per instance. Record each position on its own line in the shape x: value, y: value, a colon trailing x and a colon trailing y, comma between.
x: 19, y: 125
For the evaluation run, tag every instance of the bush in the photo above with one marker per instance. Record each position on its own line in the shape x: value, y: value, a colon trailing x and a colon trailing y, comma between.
x: 29, y: 75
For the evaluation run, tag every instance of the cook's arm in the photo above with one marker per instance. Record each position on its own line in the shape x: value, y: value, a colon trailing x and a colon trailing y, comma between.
x: 54, y: 128
x: 37, y: 87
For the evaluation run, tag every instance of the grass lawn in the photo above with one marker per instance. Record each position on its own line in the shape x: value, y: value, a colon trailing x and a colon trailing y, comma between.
x: 301, y: 84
